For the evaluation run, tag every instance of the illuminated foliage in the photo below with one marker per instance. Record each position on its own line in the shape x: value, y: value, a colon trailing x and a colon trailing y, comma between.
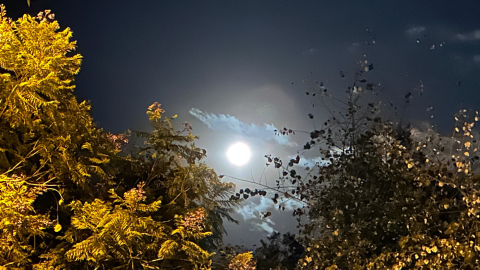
x: 122, y: 232
x: 38, y: 108
x: 18, y: 221
x: 75, y: 197
x: 168, y: 165
x: 243, y: 261
x: 48, y: 141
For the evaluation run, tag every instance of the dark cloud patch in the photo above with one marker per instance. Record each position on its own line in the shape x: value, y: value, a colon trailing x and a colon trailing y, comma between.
x: 474, y: 35
x: 416, y: 30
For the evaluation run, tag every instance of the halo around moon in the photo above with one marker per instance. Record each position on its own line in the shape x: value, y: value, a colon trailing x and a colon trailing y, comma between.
x: 239, y: 154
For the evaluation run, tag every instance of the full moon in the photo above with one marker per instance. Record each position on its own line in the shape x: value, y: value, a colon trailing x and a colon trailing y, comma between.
x: 239, y: 153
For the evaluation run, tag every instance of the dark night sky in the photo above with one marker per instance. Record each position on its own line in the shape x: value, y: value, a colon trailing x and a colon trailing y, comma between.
x: 254, y: 60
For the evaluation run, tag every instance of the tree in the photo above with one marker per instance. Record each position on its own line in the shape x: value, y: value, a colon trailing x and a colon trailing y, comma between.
x: 386, y: 196
x: 386, y: 199
x: 39, y: 110
x: 48, y: 140
x: 400, y: 205
x: 18, y: 220
x: 282, y: 252
x: 76, y: 197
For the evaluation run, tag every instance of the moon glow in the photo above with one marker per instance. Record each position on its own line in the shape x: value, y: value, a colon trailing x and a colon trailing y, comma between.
x: 239, y: 154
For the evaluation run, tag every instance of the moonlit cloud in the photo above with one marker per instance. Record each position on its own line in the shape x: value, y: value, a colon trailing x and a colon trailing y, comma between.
x: 310, y: 162
x: 475, y: 35
x: 415, y: 30
x: 476, y: 59
x: 251, y: 211
x: 228, y: 123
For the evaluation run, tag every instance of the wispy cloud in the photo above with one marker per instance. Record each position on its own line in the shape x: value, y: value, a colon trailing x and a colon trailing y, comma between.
x: 476, y: 59
x: 415, y: 30
x: 353, y: 47
x: 310, y: 51
x: 474, y: 35
x: 230, y: 123
x: 251, y: 211
x: 310, y: 162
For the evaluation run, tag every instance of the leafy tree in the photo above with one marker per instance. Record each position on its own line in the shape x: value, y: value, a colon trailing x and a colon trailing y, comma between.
x: 48, y: 140
x: 282, y: 252
x: 85, y: 198
x: 398, y: 206
x: 168, y: 165
x: 39, y: 110
x: 123, y: 235
x: 386, y: 196
x: 18, y: 220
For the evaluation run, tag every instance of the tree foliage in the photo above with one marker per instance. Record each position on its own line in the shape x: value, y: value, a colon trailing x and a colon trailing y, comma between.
x: 384, y: 195
x: 18, y: 220
x: 387, y: 196
x: 38, y: 109
x: 281, y: 252
x: 76, y: 197
x: 243, y: 261
x: 401, y: 203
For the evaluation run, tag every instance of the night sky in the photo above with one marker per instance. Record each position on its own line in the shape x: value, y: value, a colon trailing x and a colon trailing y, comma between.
x: 236, y: 70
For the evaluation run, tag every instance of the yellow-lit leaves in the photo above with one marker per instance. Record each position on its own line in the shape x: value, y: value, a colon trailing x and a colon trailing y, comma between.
x: 38, y: 101
x: 409, y: 163
x: 30, y: 48
x: 417, y: 225
x: 18, y: 220
x: 155, y: 111
x: 117, y: 226
x: 452, y: 227
x: 57, y: 227
x: 243, y: 261
x: 87, y: 146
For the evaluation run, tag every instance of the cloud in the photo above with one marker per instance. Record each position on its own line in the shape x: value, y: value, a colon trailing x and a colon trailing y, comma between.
x: 225, y: 122
x: 474, y: 35
x: 353, y: 47
x: 415, y: 30
x: 311, y: 51
x: 476, y: 59
x: 310, y: 162
x: 251, y: 211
